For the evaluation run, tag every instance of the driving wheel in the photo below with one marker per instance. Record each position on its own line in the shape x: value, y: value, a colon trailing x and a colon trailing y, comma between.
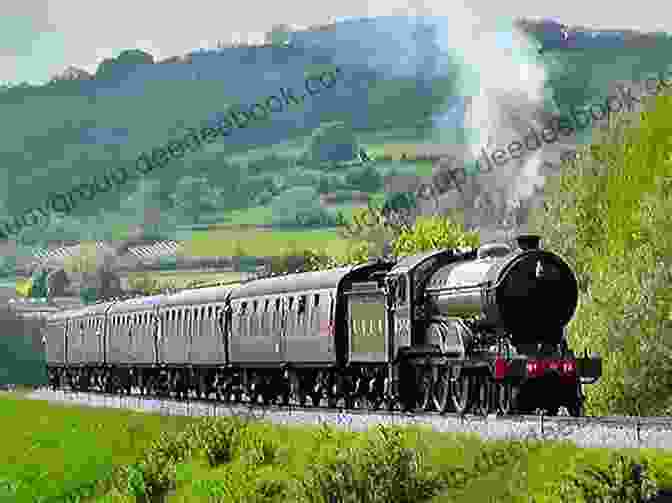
x: 441, y: 395
x: 461, y: 396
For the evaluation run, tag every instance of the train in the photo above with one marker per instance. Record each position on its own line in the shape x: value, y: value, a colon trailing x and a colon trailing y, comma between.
x: 480, y: 330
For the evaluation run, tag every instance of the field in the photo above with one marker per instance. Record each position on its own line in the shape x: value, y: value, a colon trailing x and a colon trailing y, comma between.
x: 259, y: 243
x: 181, y: 279
x: 54, y: 450
x: 61, y: 449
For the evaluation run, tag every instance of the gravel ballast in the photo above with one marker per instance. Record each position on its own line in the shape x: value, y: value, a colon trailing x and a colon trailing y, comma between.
x: 587, y: 434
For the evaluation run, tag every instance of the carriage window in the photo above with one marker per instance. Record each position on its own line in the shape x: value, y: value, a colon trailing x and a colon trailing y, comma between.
x: 266, y: 305
x: 291, y: 302
x: 255, y: 305
x: 277, y: 304
x: 317, y: 299
x: 179, y: 315
x: 302, y: 305
x: 210, y: 312
x: 243, y: 308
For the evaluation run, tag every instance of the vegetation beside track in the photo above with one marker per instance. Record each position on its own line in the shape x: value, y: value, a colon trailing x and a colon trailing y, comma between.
x: 70, y: 453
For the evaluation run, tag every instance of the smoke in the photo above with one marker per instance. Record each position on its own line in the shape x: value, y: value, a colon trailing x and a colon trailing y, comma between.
x: 502, y: 80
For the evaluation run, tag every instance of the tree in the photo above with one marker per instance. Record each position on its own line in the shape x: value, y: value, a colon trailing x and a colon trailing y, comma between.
x: 279, y: 35
x: 145, y: 207
x: 364, y: 178
x: 369, y: 232
x: 93, y: 265
x: 323, y: 185
x: 400, y: 208
x: 333, y: 141
x: 300, y: 205
x: 39, y: 284
x: 340, y: 218
x: 430, y: 233
x: 194, y: 196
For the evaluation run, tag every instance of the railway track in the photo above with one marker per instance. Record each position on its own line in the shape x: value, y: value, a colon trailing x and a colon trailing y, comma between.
x: 588, y: 431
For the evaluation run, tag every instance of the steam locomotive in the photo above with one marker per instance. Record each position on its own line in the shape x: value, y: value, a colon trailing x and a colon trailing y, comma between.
x: 467, y: 330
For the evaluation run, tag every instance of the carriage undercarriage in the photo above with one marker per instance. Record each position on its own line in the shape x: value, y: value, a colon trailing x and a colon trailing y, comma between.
x: 421, y: 388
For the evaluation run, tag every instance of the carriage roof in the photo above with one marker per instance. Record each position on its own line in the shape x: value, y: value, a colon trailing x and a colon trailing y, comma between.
x: 139, y: 304
x: 198, y: 296
x: 302, y: 282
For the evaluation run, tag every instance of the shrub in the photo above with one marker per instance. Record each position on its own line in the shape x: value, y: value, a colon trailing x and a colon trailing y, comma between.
x: 433, y: 232
x: 383, y: 471
x: 154, y: 474
x: 216, y: 438
x: 622, y: 481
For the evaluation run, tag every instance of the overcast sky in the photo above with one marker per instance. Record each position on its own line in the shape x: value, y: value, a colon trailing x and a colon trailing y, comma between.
x: 40, y: 38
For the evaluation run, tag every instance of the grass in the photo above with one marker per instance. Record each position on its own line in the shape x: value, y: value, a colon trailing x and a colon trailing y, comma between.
x: 259, y: 243
x: 395, y: 150
x: 51, y: 450
x: 64, y: 447
x: 181, y: 279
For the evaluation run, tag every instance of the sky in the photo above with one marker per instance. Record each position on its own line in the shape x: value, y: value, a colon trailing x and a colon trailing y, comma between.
x: 41, y: 38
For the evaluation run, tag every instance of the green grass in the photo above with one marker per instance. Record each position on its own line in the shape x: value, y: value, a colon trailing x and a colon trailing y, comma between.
x: 180, y: 280
x: 258, y: 243
x: 50, y: 450
x: 55, y: 448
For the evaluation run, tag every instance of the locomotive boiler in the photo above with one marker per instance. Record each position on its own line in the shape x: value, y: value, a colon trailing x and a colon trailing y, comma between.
x: 530, y: 295
x: 477, y: 330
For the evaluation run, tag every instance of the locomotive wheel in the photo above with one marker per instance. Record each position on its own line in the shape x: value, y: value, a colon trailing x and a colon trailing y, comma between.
x: 441, y: 395
x: 316, y: 398
x: 461, y: 394
x: 553, y: 410
x: 426, y: 391
x: 503, y: 398
x: 482, y: 395
x: 575, y: 410
x: 301, y: 397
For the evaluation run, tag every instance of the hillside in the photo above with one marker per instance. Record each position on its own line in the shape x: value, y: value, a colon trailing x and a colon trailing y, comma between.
x: 79, y: 126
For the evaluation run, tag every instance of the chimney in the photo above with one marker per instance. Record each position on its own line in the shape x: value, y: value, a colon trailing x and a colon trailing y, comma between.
x: 528, y: 242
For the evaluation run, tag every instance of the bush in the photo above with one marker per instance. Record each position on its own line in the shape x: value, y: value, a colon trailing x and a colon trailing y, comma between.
x: 430, y: 233
x: 154, y: 474
x: 623, y: 481
x: 384, y: 471
x: 216, y: 438
x: 333, y: 141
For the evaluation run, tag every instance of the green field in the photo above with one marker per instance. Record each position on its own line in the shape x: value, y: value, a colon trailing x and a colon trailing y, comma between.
x: 260, y: 243
x: 57, y: 450
x: 51, y: 450
x: 182, y: 279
